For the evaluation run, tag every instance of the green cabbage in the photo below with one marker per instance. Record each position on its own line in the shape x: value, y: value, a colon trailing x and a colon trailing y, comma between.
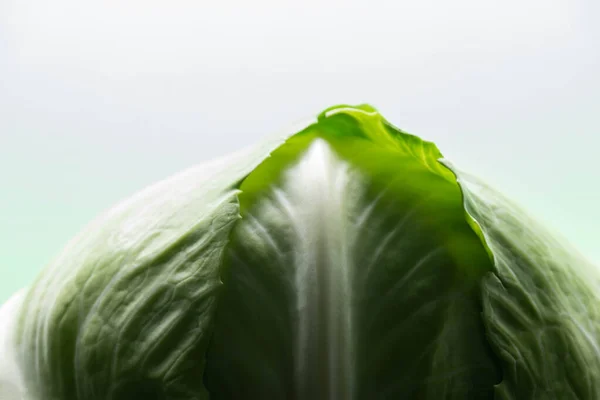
x: 348, y: 261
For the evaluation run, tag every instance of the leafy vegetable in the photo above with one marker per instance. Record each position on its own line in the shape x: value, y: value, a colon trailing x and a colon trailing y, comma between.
x: 346, y: 261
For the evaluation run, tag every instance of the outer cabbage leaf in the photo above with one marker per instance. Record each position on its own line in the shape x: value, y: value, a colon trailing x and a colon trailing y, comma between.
x: 124, y: 312
x: 541, y: 304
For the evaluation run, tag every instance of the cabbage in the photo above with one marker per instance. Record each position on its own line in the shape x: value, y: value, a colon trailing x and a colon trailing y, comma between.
x: 347, y: 261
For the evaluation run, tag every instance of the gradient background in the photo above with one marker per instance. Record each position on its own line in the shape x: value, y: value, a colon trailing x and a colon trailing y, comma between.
x: 99, y: 100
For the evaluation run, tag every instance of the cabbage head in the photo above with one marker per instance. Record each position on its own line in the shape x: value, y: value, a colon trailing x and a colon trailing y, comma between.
x: 345, y: 261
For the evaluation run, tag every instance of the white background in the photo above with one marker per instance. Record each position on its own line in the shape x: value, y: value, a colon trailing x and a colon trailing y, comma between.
x: 98, y: 100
